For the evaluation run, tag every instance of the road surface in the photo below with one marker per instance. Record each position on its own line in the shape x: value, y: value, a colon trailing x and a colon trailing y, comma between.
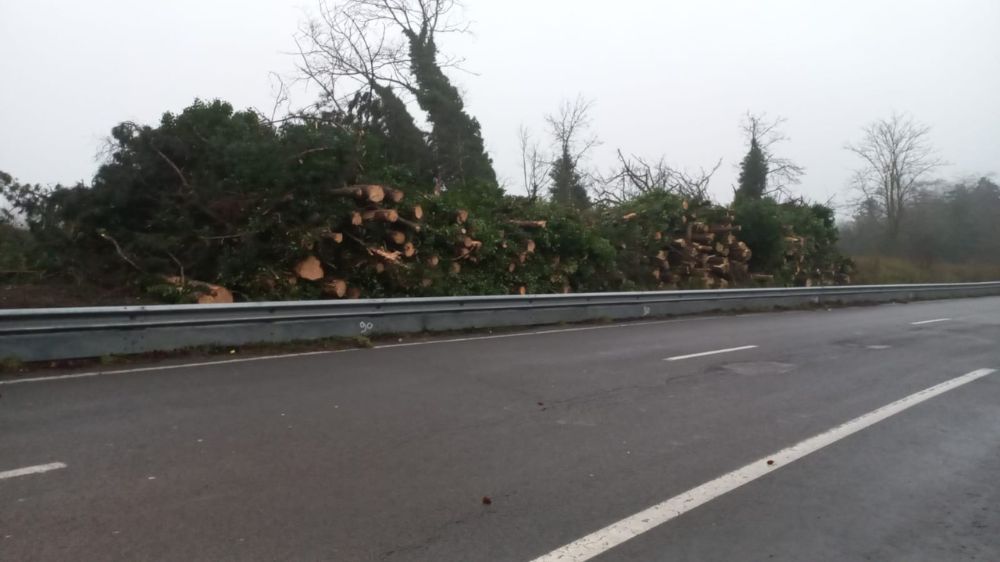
x: 707, y: 438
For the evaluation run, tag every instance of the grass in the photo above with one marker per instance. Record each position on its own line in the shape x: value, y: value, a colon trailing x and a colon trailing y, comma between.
x: 876, y: 270
x: 11, y: 365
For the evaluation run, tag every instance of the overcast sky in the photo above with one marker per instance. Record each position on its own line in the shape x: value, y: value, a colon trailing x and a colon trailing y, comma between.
x: 670, y: 78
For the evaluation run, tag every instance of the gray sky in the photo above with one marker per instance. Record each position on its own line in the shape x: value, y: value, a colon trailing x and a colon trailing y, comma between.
x: 669, y: 78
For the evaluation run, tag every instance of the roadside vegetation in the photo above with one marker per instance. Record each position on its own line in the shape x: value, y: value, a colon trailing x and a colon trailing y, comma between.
x: 383, y: 188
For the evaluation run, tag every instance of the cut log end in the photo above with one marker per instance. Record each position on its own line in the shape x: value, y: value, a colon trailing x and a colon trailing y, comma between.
x: 396, y: 237
x: 309, y: 269
x: 335, y: 288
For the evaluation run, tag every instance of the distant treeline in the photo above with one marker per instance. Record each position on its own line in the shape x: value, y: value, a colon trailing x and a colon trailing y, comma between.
x: 941, y: 224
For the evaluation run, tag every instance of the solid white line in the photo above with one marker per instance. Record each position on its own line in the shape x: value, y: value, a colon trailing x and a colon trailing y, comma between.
x: 935, y: 321
x: 37, y: 469
x: 615, y: 534
x: 172, y: 367
x: 329, y: 352
x: 706, y: 353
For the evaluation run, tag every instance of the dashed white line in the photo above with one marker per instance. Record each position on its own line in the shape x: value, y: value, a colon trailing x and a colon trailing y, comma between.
x: 935, y: 321
x: 37, y: 469
x: 617, y: 533
x: 707, y: 353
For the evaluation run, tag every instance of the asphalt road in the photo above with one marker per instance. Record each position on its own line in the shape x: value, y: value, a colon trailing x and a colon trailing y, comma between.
x: 387, y: 454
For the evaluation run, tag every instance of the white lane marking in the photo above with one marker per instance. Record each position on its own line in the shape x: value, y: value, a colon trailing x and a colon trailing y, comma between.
x: 171, y: 367
x: 330, y: 352
x: 543, y: 332
x: 935, y: 321
x: 615, y: 534
x: 706, y: 353
x: 37, y: 469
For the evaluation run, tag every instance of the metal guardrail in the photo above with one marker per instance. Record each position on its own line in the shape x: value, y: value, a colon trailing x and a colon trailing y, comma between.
x: 63, y: 333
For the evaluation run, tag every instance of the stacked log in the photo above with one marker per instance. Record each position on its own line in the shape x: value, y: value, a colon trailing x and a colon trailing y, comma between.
x: 705, y: 253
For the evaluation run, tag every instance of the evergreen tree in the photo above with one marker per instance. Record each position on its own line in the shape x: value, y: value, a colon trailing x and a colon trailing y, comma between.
x: 456, y: 138
x: 567, y: 186
x: 753, y: 173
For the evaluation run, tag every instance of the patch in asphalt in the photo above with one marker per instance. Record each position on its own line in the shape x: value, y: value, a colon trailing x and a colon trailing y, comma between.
x: 759, y: 368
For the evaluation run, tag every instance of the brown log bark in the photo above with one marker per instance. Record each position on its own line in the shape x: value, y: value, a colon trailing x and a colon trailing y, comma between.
x: 703, y: 238
x: 392, y: 257
x: 372, y: 193
x: 528, y: 224
x: 394, y: 195
x: 409, y: 224
x: 383, y: 215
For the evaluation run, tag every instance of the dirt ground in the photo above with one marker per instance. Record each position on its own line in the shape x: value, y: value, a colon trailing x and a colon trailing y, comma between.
x: 24, y: 293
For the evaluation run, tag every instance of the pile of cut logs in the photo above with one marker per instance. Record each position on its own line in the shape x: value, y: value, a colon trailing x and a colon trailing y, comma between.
x: 706, y: 254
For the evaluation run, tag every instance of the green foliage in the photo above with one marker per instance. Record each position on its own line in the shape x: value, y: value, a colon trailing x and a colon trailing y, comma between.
x: 753, y: 173
x: 456, y: 139
x: 770, y: 228
x: 224, y: 197
x: 763, y: 231
x: 567, y: 185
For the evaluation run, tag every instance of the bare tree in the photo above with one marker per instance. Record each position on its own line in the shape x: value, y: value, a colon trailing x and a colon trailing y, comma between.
x: 569, y: 185
x: 344, y: 50
x: 897, y: 156
x: 534, y: 165
x: 417, y: 19
x: 779, y: 173
x: 568, y: 127
x: 635, y: 176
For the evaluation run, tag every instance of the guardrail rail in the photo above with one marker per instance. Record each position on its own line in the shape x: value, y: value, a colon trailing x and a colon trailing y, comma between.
x: 64, y: 333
